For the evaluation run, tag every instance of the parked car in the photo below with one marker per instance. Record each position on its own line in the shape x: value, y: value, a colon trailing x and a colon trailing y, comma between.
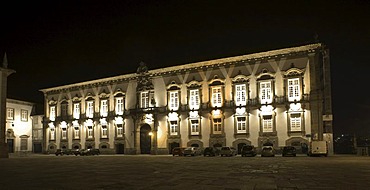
x: 289, y: 151
x: 267, y: 151
x: 228, y: 151
x: 192, y: 151
x: 178, y: 151
x: 248, y: 150
x: 87, y: 152
x: 211, y: 151
x: 61, y: 152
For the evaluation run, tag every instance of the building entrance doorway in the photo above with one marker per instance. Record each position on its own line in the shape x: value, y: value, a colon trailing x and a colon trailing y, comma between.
x: 145, y: 139
x: 120, y: 148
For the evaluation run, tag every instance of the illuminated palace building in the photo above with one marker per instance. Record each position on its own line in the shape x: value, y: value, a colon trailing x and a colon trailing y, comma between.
x: 280, y: 97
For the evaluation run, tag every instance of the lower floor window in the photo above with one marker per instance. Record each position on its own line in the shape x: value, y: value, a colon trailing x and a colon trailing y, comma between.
x: 267, y: 123
x: 76, y: 132
x: 241, y: 124
x: 173, y: 127
x: 295, y: 122
x: 217, y: 126
x: 104, y: 131
x: 119, y: 130
x: 194, y: 127
x: 89, y: 132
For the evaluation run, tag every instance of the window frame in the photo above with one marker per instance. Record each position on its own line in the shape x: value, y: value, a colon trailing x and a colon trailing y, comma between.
x: 24, y: 115
x: 10, y: 113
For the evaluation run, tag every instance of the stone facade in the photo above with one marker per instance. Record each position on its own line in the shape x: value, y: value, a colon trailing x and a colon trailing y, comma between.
x: 280, y: 97
x: 18, y: 130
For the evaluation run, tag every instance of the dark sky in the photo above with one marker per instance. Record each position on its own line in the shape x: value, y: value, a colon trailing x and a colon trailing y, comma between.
x: 62, y: 42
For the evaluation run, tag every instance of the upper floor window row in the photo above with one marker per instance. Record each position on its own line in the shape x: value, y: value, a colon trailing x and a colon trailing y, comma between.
x: 104, y: 108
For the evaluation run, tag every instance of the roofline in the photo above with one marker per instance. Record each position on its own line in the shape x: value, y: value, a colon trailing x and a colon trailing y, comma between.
x: 14, y: 101
x: 252, y: 56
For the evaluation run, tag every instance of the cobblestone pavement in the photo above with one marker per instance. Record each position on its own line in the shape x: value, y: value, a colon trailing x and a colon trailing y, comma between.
x: 167, y: 172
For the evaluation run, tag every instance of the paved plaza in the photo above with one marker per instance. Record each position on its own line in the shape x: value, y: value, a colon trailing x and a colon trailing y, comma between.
x: 167, y: 172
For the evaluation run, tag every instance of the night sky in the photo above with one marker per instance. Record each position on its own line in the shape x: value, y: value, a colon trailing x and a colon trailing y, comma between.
x: 56, y: 43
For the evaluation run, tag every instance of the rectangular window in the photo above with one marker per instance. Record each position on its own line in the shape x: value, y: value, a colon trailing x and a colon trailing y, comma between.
x: 144, y: 99
x: 90, y: 132
x: 10, y: 114
x: 64, y: 133
x: 119, y: 106
x: 24, y: 115
x: 241, y: 98
x: 194, y: 125
x: 267, y: 123
x: 241, y: 124
x: 293, y: 89
x: 119, y: 130
x: 194, y: 99
x: 77, y: 132
x: 295, y: 122
x: 76, y: 110
x: 216, y: 96
x: 104, y: 108
x: 104, y: 131
x: 52, y: 113
x: 90, y: 109
x: 217, y: 126
x: 265, y: 92
x: 173, y: 127
x: 52, y: 133
x: 64, y: 109
x: 174, y: 100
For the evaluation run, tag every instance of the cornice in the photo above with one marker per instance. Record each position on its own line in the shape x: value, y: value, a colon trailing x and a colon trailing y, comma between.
x: 300, y: 50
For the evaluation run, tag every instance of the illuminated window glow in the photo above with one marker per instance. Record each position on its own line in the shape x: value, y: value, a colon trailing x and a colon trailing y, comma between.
x: 194, y: 99
x: 194, y: 126
x: 24, y: 115
x: 174, y: 100
x: 173, y: 128
x: 90, y: 109
x: 265, y: 92
x: 267, y: 123
x: 76, y: 110
x: 216, y: 96
x: 104, y: 108
x: 241, y: 124
x: 241, y: 95
x: 293, y: 89
x: 119, y: 105
x: 295, y: 122
x: 90, y: 132
x: 104, y: 133
x: 217, y: 126
x: 119, y: 130
x: 10, y: 114
x: 52, y: 113
x: 144, y: 99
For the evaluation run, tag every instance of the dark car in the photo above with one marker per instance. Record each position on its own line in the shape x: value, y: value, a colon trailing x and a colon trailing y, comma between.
x: 90, y: 152
x: 87, y: 152
x: 211, y: 151
x: 192, y: 151
x: 289, y: 151
x: 228, y: 151
x: 61, y: 152
x: 178, y: 151
x: 267, y: 151
x: 248, y: 150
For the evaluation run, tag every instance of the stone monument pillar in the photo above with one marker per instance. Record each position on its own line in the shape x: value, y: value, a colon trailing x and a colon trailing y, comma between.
x: 4, y: 73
